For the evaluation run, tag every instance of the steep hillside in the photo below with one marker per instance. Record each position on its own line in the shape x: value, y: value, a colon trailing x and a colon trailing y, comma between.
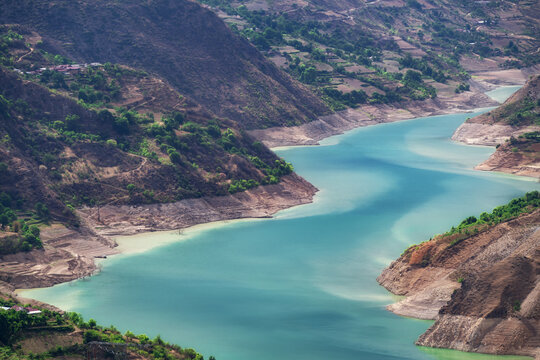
x: 519, y: 110
x: 79, y: 134
x: 181, y: 42
x: 94, y: 156
x: 380, y: 52
x: 513, y: 127
x: 479, y: 282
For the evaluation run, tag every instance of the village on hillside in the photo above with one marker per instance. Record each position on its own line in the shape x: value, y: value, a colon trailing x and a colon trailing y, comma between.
x: 65, y: 68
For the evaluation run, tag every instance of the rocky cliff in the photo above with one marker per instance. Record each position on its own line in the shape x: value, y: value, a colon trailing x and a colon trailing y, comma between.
x: 519, y: 156
x: 483, y: 290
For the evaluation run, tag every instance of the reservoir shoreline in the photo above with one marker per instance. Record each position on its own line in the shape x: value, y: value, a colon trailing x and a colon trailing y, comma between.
x: 107, y: 222
x: 75, y: 252
x: 373, y: 114
x: 373, y: 152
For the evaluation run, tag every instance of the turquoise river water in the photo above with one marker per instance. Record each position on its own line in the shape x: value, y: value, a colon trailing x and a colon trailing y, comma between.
x: 302, y: 285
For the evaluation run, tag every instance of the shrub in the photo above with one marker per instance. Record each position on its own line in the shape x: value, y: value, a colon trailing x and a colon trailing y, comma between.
x: 111, y: 143
x: 93, y: 335
x: 72, y: 122
x: 42, y: 210
x: 175, y: 156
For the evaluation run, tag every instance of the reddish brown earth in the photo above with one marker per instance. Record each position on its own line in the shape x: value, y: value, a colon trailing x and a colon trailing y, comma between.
x: 483, y: 292
x: 521, y: 158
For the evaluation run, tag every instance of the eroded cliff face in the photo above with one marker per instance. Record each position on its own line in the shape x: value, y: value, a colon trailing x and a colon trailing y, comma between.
x: 519, y: 157
x: 483, y: 292
x: 496, y: 310
x: 513, y: 126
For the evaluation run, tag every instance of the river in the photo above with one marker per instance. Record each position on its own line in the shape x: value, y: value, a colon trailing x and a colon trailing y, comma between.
x: 302, y: 285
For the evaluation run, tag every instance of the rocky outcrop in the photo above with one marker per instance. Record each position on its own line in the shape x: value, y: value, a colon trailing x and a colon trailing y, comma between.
x: 495, y: 127
x: 495, y: 311
x: 67, y: 255
x: 520, y: 157
x: 483, y: 292
x: 517, y: 116
x: 488, y: 134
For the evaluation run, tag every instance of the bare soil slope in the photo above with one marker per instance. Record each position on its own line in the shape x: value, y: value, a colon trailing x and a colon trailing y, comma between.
x: 483, y: 291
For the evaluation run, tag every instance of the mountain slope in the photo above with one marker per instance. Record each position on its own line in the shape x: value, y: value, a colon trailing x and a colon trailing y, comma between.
x: 381, y: 52
x: 88, y: 135
x: 519, y: 110
x: 182, y: 42
x: 90, y: 157
x: 42, y: 331
x: 57, y: 155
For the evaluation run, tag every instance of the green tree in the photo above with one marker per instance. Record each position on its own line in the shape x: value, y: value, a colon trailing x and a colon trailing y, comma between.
x: 412, y: 77
x: 4, y: 106
x: 105, y: 116
x: 309, y: 75
x: 57, y: 80
x: 42, y: 210
x: 131, y: 188
x: 4, y: 220
x: 93, y: 335
x: 174, y: 156
x: 3, y: 168
x: 121, y: 124
x: 260, y: 42
x: 5, y: 199
x: 72, y: 122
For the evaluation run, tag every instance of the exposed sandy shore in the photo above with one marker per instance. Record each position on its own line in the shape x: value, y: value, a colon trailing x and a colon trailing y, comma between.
x: 340, y: 122
x: 70, y: 254
x: 446, y: 103
x: 505, y: 160
x: 260, y: 202
x: 488, y: 134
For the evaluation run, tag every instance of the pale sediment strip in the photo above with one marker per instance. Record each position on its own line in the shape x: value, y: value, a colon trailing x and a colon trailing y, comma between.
x: 140, y: 243
x: 366, y: 115
x: 472, y: 133
x: 262, y: 201
x: 70, y: 254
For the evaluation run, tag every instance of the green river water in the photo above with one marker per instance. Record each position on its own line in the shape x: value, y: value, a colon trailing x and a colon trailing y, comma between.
x: 302, y: 284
